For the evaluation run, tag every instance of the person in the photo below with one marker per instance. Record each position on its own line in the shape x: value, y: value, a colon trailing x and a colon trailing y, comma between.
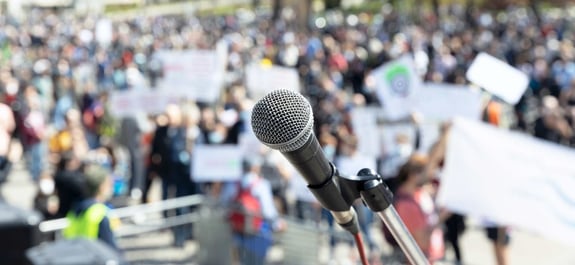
x: 454, y: 222
x: 497, y: 234
x: 500, y: 238
x: 130, y: 137
x: 252, y: 249
x: 416, y: 208
x: 169, y: 139
x: 350, y: 161
x: 69, y: 182
x: 32, y: 129
x: 7, y: 126
x: 88, y: 217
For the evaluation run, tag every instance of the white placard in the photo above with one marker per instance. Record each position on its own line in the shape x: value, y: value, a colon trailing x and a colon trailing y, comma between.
x: 350, y: 165
x: 131, y: 102
x: 497, y: 77
x: 397, y: 85
x: 442, y: 102
x: 511, y: 179
x: 104, y: 32
x: 195, y: 74
x: 364, y: 122
x: 216, y: 163
x: 261, y: 80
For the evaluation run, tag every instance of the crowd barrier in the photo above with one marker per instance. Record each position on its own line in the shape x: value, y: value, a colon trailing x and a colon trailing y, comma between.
x: 300, y: 243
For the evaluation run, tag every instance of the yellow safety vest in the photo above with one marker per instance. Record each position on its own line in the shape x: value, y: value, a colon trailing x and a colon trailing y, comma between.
x: 87, y: 224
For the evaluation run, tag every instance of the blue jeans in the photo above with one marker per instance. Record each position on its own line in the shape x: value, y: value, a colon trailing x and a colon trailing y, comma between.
x: 35, y: 155
x: 93, y: 140
x: 184, y: 187
x: 326, y: 215
x: 253, y: 249
x: 365, y: 216
x: 248, y: 257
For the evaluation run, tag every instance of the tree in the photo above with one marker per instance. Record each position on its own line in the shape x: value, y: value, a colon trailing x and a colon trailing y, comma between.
x: 332, y: 4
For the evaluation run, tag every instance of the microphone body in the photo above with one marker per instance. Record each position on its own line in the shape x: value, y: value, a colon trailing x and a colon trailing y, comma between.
x: 282, y: 120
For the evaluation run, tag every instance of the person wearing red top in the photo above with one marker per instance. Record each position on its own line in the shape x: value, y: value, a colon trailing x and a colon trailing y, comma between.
x: 415, y: 206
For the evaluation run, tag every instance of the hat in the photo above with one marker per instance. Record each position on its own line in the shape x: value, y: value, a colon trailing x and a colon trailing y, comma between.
x: 95, y: 176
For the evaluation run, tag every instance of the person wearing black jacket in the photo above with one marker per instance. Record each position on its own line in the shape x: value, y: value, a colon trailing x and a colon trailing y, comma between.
x: 171, y: 161
x: 69, y: 183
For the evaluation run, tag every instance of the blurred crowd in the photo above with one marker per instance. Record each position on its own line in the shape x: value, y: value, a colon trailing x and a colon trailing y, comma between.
x: 56, y: 77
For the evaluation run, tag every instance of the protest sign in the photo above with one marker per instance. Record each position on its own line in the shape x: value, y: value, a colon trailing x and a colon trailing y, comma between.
x: 194, y: 74
x: 397, y: 85
x: 511, y: 179
x: 364, y: 122
x: 131, y: 102
x: 261, y: 79
x: 442, y: 102
x: 104, y: 32
x: 498, y: 78
x: 216, y: 163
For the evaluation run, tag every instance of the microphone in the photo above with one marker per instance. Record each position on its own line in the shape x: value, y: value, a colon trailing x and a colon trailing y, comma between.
x: 283, y: 121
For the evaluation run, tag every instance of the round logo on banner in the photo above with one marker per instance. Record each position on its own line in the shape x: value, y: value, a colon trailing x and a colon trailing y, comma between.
x: 397, y: 77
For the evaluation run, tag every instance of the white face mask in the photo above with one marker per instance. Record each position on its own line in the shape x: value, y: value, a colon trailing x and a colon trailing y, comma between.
x: 216, y: 138
x: 329, y: 151
x: 404, y: 150
x: 46, y: 186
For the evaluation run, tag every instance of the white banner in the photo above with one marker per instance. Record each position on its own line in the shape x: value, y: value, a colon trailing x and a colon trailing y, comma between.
x: 511, y: 179
x: 261, y: 80
x: 131, y: 102
x: 217, y: 163
x: 397, y: 84
x: 442, y: 102
x: 497, y: 77
x: 195, y: 74
x: 364, y: 123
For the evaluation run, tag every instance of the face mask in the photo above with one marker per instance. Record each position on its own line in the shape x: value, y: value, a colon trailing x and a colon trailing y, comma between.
x: 404, y: 150
x: 329, y: 151
x: 46, y: 186
x: 193, y: 132
x: 216, y: 138
x: 245, y: 116
x: 248, y: 179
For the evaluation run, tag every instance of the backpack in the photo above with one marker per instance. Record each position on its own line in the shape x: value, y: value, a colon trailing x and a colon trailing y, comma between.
x: 246, y: 212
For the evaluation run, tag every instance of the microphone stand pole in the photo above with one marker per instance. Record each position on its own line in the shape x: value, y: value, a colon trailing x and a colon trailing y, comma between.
x: 369, y: 186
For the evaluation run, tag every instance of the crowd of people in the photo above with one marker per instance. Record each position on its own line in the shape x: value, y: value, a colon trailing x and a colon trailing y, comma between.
x: 55, y: 81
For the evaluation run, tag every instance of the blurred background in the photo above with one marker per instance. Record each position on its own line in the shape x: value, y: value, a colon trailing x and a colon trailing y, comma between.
x: 158, y: 95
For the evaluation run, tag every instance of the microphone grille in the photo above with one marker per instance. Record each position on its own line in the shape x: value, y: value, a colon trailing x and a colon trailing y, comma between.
x: 282, y: 120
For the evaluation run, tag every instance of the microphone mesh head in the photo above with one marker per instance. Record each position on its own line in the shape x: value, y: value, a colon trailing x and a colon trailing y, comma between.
x: 282, y: 120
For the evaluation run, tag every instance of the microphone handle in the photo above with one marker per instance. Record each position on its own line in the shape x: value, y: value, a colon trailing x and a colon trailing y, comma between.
x: 313, y: 165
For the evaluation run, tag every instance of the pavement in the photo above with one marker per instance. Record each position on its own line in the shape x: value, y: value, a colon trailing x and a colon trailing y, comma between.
x: 156, y: 247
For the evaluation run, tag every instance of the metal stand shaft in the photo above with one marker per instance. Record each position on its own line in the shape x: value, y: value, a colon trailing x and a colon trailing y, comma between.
x: 378, y: 198
x: 406, y: 242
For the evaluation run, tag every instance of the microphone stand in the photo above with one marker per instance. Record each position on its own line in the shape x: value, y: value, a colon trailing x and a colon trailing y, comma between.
x: 369, y: 186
